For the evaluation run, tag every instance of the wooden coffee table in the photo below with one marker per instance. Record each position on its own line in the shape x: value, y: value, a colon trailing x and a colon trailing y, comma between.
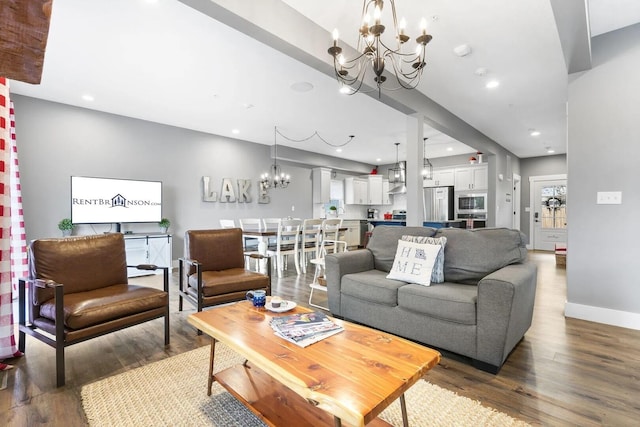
x: 349, y: 377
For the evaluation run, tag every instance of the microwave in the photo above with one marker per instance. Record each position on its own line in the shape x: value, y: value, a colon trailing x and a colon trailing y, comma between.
x: 471, y: 206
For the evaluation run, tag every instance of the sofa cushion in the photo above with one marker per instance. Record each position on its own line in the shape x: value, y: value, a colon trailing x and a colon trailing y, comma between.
x: 372, y: 286
x: 437, y: 274
x: 384, y: 242
x: 471, y: 255
x: 228, y: 281
x: 452, y: 302
x: 84, y: 309
x: 414, y: 262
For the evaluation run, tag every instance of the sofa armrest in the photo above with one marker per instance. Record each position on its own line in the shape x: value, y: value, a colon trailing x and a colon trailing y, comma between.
x: 505, y: 309
x: 337, y: 265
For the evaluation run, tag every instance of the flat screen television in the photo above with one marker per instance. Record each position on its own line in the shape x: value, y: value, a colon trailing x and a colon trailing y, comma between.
x: 110, y: 200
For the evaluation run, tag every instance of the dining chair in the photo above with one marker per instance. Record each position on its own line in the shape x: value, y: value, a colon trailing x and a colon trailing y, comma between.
x: 251, y: 243
x: 310, y: 239
x: 271, y: 224
x: 330, y: 229
x: 227, y: 223
x: 251, y: 224
x: 329, y: 244
x: 287, y: 243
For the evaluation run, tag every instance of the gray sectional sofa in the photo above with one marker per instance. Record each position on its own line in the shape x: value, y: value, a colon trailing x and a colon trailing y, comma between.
x: 482, y: 310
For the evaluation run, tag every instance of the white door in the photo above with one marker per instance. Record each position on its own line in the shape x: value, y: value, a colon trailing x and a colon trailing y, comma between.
x: 549, y: 206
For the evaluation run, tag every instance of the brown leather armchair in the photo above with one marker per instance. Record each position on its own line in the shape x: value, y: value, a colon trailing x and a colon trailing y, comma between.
x: 78, y: 290
x: 213, y: 270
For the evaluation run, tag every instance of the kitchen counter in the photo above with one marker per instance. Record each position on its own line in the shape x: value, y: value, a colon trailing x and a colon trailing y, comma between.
x: 377, y: 222
x: 445, y: 224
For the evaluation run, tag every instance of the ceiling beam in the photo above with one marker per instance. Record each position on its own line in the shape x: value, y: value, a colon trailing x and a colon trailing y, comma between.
x: 264, y: 21
x: 572, y: 20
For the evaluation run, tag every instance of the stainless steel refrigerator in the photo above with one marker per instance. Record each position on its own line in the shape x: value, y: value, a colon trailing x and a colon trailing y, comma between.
x: 438, y: 204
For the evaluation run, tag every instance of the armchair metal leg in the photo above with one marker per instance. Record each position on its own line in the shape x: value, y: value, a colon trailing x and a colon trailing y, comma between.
x: 22, y: 318
x: 60, y: 336
x: 60, y: 365
x: 167, y: 337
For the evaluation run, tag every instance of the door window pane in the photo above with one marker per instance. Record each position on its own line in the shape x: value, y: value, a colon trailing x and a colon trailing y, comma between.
x: 554, y: 206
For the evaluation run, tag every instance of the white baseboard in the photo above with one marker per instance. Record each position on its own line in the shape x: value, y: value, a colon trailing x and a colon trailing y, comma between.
x: 607, y: 316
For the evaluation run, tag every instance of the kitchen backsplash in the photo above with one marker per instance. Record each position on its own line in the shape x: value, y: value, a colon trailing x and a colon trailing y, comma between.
x: 399, y: 202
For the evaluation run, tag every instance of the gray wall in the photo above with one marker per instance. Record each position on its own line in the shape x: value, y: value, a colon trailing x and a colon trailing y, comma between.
x: 56, y: 141
x: 604, y: 148
x: 537, y: 166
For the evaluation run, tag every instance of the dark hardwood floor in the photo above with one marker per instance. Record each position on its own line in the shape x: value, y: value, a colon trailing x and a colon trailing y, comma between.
x: 565, y: 372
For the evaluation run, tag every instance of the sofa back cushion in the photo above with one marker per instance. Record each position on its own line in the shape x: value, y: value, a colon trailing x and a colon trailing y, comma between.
x: 81, y: 263
x: 384, y: 243
x: 215, y: 249
x: 470, y: 255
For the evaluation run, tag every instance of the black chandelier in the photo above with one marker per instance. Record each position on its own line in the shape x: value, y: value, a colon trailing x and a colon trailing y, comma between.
x: 275, y: 177
x: 407, y: 66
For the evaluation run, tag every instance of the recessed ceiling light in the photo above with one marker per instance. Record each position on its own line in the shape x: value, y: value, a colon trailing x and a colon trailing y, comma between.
x: 462, y: 50
x: 378, y: 159
x: 346, y: 90
x: 88, y: 97
x: 534, y: 133
x: 301, y: 87
x: 550, y: 151
x: 339, y: 150
x: 481, y: 71
x: 492, y: 84
x: 235, y: 131
x: 449, y: 149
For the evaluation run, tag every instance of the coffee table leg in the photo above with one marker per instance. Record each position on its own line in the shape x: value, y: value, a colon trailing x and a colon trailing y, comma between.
x: 211, y: 357
x: 403, y: 408
x: 337, y: 422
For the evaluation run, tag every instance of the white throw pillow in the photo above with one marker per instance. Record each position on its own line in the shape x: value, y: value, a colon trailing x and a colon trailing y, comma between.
x: 437, y: 275
x: 414, y: 262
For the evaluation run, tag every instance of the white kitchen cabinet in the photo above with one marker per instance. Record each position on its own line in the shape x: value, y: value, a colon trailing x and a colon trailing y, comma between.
x: 147, y: 249
x: 321, y: 188
x: 374, y: 190
x: 352, y: 233
x: 337, y: 189
x: 386, y: 197
x: 471, y: 178
x: 441, y: 178
x: 355, y: 191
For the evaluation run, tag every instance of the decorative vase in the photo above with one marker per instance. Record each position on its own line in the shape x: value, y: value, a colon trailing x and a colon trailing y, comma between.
x: 164, y: 230
x: 66, y: 233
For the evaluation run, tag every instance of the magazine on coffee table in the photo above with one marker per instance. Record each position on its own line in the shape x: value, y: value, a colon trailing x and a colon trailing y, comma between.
x: 304, y: 329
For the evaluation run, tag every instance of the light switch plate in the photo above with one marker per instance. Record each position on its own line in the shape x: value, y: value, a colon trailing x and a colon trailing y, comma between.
x: 609, y: 198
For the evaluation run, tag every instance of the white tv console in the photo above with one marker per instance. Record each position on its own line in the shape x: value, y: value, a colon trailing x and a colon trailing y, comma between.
x: 147, y: 248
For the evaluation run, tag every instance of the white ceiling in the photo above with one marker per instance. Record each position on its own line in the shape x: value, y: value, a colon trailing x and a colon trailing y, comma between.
x: 165, y: 62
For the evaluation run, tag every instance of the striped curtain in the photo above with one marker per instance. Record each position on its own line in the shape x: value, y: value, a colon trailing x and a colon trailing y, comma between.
x: 13, y: 259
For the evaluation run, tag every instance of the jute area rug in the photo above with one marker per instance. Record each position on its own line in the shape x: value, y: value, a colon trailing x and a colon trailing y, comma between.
x: 172, y: 392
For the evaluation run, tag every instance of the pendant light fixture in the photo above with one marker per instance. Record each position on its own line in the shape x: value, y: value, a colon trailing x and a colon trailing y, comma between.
x: 397, y: 175
x: 396, y: 171
x: 427, y: 167
x: 275, y: 177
